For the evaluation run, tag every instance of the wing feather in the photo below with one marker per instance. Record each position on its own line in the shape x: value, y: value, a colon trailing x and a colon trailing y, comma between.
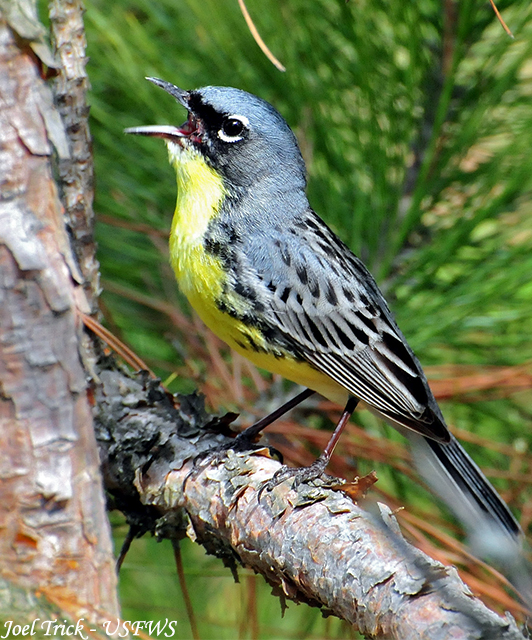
x: 331, y: 313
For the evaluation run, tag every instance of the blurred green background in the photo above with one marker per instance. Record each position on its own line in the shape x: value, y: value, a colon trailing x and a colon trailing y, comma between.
x: 416, y: 124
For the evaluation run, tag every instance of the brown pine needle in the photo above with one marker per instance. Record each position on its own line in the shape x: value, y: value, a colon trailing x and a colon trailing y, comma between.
x: 129, y: 356
x: 139, y: 227
x: 258, y: 39
x: 499, y: 17
x: 184, y: 590
x: 468, y: 380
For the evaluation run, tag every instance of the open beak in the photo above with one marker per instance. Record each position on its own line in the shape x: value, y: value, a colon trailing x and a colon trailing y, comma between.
x: 169, y: 132
x: 180, y: 95
x: 166, y: 131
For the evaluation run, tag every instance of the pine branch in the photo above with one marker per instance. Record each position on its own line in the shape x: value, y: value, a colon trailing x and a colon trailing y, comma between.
x: 313, y: 544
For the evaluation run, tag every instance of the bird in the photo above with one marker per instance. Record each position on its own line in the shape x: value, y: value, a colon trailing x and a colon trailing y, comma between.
x: 272, y: 280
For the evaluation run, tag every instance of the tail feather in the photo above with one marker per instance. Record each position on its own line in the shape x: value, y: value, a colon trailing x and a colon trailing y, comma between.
x: 473, y: 483
x: 454, y: 476
x: 494, y: 534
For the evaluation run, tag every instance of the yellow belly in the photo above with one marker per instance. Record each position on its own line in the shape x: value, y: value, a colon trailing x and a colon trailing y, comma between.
x: 200, y: 275
x: 235, y: 334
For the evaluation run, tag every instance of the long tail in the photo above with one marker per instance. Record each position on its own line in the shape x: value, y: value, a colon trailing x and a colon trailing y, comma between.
x: 473, y: 483
x: 454, y: 476
x: 494, y: 534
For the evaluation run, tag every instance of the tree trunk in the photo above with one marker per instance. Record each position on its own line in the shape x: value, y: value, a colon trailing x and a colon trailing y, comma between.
x: 55, y: 536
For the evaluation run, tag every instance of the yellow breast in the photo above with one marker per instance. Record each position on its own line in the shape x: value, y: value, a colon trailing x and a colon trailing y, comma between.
x: 200, y: 193
x: 201, y: 276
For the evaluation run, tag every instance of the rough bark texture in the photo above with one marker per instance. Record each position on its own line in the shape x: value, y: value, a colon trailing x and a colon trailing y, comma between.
x: 55, y: 534
x: 313, y: 544
x: 76, y: 173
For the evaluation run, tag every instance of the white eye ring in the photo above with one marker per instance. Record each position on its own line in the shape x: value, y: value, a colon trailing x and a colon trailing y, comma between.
x: 227, y: 137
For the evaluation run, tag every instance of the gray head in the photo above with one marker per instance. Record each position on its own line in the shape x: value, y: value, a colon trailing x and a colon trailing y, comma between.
x: 242, y: 136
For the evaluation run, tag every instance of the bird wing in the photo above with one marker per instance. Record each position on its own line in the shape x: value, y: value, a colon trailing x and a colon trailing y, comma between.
x: 319, y: 298
x: 328, y: 308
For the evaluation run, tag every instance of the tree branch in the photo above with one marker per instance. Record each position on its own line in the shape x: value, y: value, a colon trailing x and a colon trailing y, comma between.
x: 312, y: 545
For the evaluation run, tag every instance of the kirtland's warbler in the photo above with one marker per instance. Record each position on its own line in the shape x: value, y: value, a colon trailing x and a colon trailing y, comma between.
x: 270, y: 278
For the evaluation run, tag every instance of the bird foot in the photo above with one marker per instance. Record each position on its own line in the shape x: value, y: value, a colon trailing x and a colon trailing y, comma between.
x: 300, y: 475
x: 244, y: 442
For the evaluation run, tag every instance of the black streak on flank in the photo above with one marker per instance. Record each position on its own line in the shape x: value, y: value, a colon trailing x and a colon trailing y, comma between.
x: 254, y: 346
x: 245, y: 292
x: 250, y: 320
x: 221, y: 250
x: 250, y: 295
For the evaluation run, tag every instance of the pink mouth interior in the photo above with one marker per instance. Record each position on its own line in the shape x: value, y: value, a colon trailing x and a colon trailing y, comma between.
x: 191, y: 129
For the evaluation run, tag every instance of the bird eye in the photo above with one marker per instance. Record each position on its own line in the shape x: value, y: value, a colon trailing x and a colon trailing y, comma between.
x: 233, y: 128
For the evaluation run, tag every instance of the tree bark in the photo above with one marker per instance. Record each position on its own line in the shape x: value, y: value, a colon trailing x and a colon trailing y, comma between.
x: 55, y: 536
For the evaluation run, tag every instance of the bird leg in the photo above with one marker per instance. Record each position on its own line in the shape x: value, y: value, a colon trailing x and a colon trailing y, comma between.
x: 306, y: 474
x: 249, y: 435
x: 246, y: 439
x: 344, y: 419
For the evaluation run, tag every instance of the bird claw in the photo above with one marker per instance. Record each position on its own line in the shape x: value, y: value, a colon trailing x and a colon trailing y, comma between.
x: 300, y: 475
x: 204, y: 459
x: 241, y: 444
